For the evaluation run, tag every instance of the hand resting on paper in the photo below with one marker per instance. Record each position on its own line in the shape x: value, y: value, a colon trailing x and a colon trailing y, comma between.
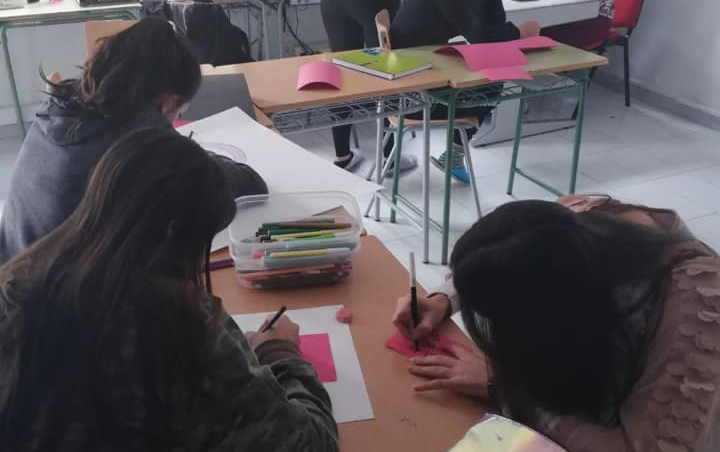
x: 433, y: 311
x: 529, y: 29
x: 283, y: 329
x: 466, y: 372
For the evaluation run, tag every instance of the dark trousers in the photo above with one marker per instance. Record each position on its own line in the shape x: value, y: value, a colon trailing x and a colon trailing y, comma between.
x: 350, y: 25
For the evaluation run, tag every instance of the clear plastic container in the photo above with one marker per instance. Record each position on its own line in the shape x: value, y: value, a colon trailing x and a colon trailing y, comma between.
x: 318, y: 256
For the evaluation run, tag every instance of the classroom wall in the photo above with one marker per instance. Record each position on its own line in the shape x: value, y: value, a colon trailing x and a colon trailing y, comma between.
x: 675, y: 52
x: 61, y: 48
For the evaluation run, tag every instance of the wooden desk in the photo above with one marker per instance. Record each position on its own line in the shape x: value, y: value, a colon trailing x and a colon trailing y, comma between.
x: 273, y: 83
x: 561, y: 58
x: 404, y: 421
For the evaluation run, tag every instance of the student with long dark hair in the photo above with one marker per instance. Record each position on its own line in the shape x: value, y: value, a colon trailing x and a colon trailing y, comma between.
x: 597, y: 322
x: 141, y: 77
x: 111, y: 339
x: 434, y: 22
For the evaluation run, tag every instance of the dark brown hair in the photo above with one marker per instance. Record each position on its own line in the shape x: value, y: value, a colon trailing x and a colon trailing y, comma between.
x: 132, y: 69
x: 549, y: 295
x: 135, y: 249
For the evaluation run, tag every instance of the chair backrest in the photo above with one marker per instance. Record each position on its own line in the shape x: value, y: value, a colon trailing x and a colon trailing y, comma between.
x: 627, y: 13
x: 99, y: 29
x: 382, y: 22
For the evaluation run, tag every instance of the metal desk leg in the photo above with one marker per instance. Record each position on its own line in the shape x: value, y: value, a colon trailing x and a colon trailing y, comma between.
x: 426, y: 183
x: 516, y: 145
x: 11, y: 77
x: 396, y: 164
x: 378, y: 156
x: 452, y: 102
x: 578, y: 133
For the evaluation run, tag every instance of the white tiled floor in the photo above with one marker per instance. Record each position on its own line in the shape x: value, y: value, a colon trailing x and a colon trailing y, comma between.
x: 637, y: 154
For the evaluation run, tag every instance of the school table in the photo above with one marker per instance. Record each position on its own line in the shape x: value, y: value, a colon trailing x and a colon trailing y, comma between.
x: 469, y: 89
x: 45, y: 13
x: 404, y: 420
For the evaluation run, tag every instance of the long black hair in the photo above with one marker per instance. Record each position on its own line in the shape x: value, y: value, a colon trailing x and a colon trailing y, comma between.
x: 132, y: 70
x: 547, y: 294
x: 134, y: 252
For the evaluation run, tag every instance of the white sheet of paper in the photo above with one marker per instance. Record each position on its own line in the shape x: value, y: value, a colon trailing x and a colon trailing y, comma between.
x: 348, y: 394
x: 285, y: 166
x: 457, y: 318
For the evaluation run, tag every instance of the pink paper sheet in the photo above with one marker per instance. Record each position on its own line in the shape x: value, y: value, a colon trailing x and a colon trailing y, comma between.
x: 497, y: 74
x: 319, y: 74
x: 405, y: 347
x: 534, y: 43
x: 489, y: 55
x: 315, y: 348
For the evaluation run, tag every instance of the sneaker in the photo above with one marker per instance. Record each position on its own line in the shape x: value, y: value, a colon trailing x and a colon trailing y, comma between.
x: 351, y: 163
x: 457, y: 170
x: 407, y: 163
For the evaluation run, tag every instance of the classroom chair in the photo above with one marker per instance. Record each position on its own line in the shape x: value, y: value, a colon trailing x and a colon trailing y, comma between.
x: 462, y: 125
x: 627, y: 15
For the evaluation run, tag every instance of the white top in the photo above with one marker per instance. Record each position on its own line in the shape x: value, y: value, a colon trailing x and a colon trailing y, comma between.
x: 552, y: 12
x: 46, y: 10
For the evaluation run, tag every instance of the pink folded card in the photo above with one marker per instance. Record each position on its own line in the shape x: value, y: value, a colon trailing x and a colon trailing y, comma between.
x: 488, y: 55
x: 431, y: 346
x: 181, y: 122
x: 535, y: 43
x: 319, y: 74
x: 315, y: 348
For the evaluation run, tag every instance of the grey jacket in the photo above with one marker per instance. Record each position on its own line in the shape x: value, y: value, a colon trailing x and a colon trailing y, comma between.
x: 60, y: 150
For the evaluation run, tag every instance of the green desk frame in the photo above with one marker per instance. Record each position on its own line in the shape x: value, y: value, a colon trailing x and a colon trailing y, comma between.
x: 487, y: 95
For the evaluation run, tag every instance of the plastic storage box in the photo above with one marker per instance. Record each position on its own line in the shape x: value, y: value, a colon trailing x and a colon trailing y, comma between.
x: 294, y: 239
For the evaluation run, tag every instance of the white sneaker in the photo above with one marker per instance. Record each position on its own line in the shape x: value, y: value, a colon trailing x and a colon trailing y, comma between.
x: 407, y: 162
x: 355, y: 160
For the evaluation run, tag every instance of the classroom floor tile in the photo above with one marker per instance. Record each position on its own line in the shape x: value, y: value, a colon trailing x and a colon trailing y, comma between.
x: 639, y: 154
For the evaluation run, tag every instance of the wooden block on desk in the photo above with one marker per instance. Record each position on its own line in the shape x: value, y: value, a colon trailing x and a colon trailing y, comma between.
x: 404, y: 420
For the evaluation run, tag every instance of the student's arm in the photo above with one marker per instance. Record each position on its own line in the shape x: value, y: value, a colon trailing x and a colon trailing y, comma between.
x: 243, y: 180
x: 277, y: 402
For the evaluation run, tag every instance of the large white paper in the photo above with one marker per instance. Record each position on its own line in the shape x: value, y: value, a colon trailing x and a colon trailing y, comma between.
x: 285, y: 166
x: 349, y: 396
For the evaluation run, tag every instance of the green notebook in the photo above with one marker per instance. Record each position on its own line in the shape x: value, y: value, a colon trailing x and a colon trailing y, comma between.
x: 381, y: 63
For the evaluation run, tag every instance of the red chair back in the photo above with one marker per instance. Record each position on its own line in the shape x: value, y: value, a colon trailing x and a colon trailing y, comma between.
x: 627, y: 13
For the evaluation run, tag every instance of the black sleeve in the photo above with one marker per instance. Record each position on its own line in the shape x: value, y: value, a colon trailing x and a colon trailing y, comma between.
x: 485, y: 21
x: 242, y: 179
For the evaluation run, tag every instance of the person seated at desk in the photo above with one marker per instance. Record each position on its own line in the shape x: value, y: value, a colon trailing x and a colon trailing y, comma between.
x: 584, y: 33
x: 111, y: 339
x: 143, y: 76
x: 434, y: 22
x: 599, y: 325
x: 350, y: 25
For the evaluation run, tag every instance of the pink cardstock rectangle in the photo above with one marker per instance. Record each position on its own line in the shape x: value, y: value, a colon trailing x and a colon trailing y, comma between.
x: 316, y: 350
x: 319, y: 74
x: 488, y: 55
x: 400, y: 344
x: 497, y: 74
x: 535, y: 43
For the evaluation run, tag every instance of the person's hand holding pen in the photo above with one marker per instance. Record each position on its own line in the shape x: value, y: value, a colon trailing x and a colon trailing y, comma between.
x: 432, y: 310
x: 281, y: 328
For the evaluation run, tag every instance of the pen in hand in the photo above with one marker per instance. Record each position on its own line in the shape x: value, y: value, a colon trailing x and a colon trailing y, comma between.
x: 413, y: 297
x: 274, y: 319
